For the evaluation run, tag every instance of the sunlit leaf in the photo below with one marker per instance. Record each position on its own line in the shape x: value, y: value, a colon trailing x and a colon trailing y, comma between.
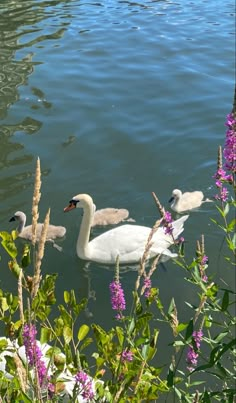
x: 14, y: 267
x: 67, y: 334
x: 10, y: 247
x: 181, y: 327
x: 3, y: 304
x: 45, y: 335
x: 83, y: 331
x: 66, y: 297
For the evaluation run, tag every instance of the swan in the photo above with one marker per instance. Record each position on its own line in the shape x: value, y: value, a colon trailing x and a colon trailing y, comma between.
x: 181, y: 202
x: 54, y: 231
x: 126, y: 241
x: 110, y: 216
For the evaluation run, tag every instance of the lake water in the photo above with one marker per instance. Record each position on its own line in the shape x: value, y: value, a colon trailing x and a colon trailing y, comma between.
x: 118, y: 99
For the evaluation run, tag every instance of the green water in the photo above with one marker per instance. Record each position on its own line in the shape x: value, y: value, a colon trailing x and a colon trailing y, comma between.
x: 118, y: 99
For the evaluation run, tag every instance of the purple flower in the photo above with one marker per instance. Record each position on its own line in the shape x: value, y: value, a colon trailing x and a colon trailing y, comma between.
x: 230, y: 144
x: 126, y: 355
x: 147, y: 283
x: 192, y: 357
x: 117, y: 298
x: 167, y: 223
x: 192, y: 354
x: 85, y: 385
x: 223, y: 196
x: 197, y: 337
x: 204, y: 278
x: 34, y: 353
x: 221, y: 176
x: 204, y: 260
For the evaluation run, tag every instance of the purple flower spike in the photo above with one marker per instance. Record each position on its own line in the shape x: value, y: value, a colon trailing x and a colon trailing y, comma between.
x: 117, y: 298
x: 34, y: 353
x: 167, y: 223
x: 147, y: 286
x: 85, y: 385
x: 230, y: 144
x: 192, y: 354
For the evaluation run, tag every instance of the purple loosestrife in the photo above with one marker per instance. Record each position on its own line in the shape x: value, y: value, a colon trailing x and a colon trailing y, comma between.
x: 229, y: 153
x: 203, y: 263
x: 167, y: 223
x: 117, y: 298
x: 85, y: 384
x: 230, y: 144
x: 126, y: 355
x: 192, y: 354
x: 34, y: 353
x: 147, y: 286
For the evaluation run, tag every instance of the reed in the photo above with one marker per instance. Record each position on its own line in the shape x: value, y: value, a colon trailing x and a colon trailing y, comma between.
x: 39, y: 256
x: 20, y: 297
x: 36, y: 199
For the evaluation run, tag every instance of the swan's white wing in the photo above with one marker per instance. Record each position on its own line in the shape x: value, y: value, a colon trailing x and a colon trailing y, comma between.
x: 190, y: 200
x: 54, y: 232
x: 127, y: 241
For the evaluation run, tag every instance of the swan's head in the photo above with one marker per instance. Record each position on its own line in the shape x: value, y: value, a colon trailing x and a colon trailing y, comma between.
x: 176, y: 194
x: 18, y: 216
x: 80, y: 201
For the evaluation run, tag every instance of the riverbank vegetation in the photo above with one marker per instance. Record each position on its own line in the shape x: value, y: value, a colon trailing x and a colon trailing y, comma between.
x: 44, y: 352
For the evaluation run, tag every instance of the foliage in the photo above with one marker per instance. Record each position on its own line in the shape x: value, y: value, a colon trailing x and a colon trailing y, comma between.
x: 121, y: 367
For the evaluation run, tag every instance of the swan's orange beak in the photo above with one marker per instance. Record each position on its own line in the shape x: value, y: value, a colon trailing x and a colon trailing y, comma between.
x: 70, y: 206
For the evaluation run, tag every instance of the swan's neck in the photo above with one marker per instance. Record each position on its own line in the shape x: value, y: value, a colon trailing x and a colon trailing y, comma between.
x: 21, y: 224
x: 84, y: 233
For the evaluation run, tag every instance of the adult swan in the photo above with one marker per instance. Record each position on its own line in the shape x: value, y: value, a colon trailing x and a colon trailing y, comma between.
x: 126, y: 241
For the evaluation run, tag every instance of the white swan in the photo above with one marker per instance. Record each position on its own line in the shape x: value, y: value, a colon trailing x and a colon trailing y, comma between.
x: 126, y: 241
x: 110, y: 216
x: 181, y: 202
x: 54, y: 231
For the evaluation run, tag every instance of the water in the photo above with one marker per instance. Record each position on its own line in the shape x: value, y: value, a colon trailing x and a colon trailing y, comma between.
x: 118, y: 99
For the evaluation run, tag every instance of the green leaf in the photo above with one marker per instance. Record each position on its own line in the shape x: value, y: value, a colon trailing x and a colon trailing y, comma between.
x: 3, y: 344
x: 120, y: 335
x: 83, y: 331
x: 170, y: 376
x: 10, y: 247
x: 66, y: 297
x: 225, y: 301
x: 45, y: 334
x: 226, y: 209
x: 231, y: 225
x: 189, y: 331
x: 3, y: 304
x: 14, y: 267
x: 25, y: 260
x: 86, y: 343
x: 67, y: 334
x: 14, y: 234
x: 181, y: 327
x: 172, y: 307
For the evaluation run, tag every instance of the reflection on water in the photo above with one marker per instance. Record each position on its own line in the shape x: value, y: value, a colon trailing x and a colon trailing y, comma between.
x: 15, y: 69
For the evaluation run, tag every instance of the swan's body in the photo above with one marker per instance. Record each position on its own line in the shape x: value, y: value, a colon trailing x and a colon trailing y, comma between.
x: 54, y: 231
x: 109, y: 216
x: 181, y: 202
x: 126, y: 241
